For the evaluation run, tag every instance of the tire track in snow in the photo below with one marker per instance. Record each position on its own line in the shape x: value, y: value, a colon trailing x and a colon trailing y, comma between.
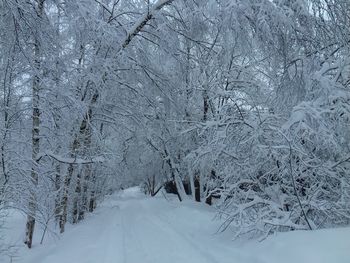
x: 156, y: 241
x: 133, y: 247
x: 189, y: 243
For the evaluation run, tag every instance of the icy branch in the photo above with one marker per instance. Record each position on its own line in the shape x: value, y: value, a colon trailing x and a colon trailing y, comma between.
x: 98, y: 159
x: 139, y: 25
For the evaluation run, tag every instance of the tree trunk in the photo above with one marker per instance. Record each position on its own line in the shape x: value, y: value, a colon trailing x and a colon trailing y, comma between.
x: 64, y: 203
x: 92, y: 200
x: 57, y: 189
x: 87, y: 173
x: 57, y: 118
x: 84, y: 199
x: 205, y: 105
x: 180, y: 187
x: 193, y: 189
x: 76, y: 199
x: 6, y: 101
x: 35, y: 136
x: 197, y: 188
x: 75, y: 146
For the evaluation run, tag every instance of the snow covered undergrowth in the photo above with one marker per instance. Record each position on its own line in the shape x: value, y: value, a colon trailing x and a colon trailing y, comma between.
x: 129, y: 227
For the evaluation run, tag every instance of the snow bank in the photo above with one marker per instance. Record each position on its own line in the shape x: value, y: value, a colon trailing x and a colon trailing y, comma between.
x: 320, y: 246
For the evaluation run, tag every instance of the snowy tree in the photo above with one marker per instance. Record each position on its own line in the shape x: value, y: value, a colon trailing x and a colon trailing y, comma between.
x: 242, y: 104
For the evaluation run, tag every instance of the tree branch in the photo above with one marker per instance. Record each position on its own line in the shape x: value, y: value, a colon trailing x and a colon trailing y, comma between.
x: 61, y: 159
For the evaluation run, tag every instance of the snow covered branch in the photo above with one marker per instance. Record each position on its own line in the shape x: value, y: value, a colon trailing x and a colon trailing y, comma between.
x: 140, y: 24
x: 61, y: 159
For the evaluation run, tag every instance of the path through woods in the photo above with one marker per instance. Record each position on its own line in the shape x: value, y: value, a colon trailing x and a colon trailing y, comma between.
x: 130, y: 227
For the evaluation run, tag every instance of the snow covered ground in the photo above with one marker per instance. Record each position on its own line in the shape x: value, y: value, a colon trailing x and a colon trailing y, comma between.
x: 131, y: 228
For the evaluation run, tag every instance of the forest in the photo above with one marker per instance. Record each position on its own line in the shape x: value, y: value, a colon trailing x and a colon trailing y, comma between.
x: 240, y: 104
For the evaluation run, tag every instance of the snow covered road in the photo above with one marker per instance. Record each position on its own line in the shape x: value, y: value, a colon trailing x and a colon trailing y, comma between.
x: 131, y: 228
